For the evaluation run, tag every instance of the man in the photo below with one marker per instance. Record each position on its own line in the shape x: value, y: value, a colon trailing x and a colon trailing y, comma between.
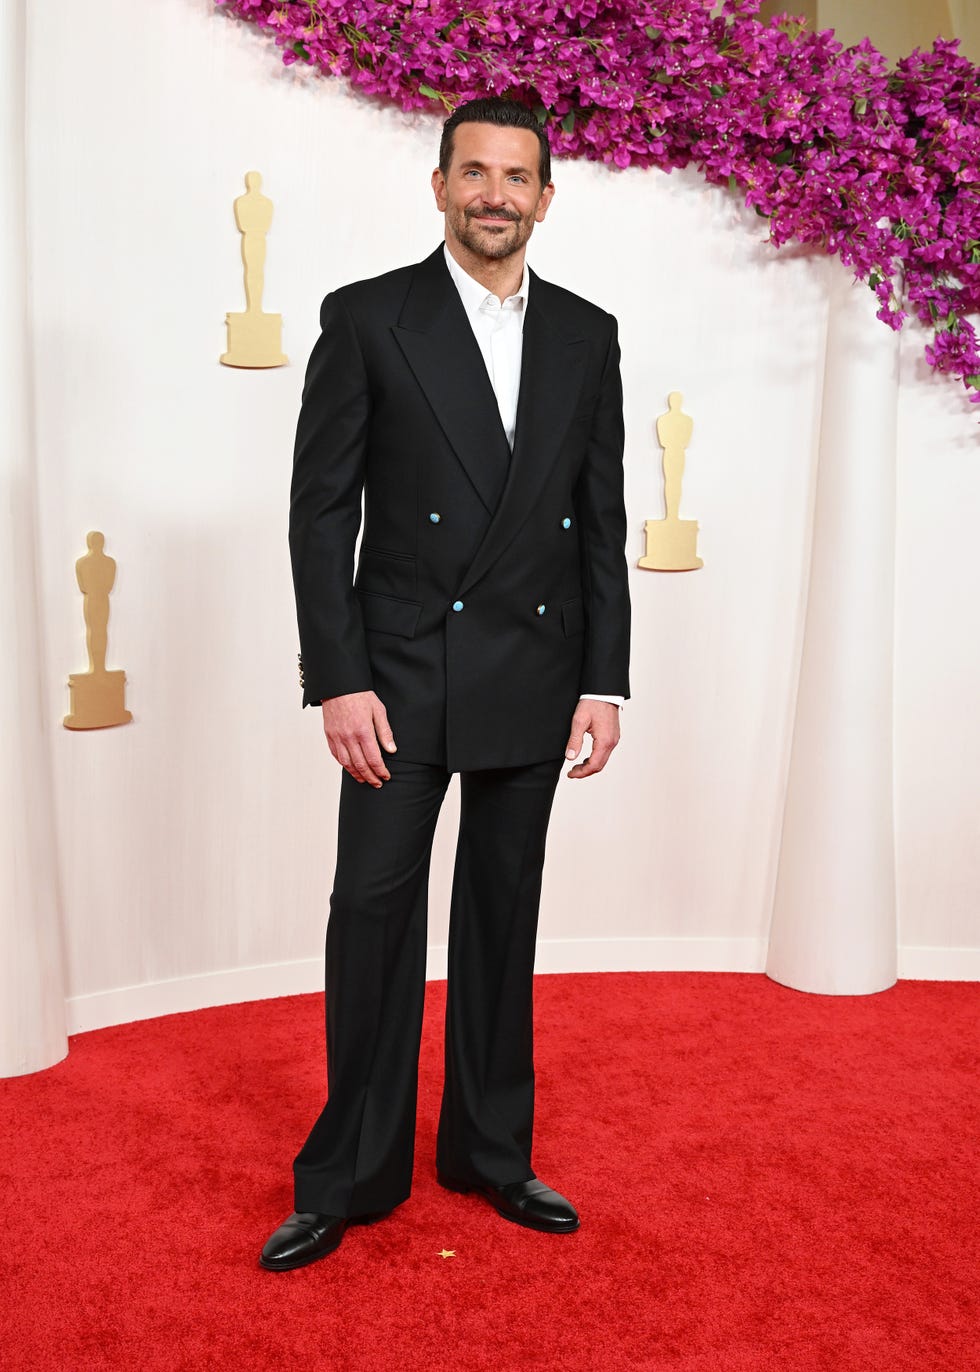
x: 479, y: 410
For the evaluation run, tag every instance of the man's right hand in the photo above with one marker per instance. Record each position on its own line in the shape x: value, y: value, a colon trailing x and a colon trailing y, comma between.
x: 354, y: 725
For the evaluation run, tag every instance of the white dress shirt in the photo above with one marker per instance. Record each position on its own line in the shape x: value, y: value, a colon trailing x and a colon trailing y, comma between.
x: 499, y: 331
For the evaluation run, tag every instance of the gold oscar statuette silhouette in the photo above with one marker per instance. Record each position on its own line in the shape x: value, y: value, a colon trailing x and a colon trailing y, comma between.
x: 672, y: 543
x: 254, y: 338
x: 98, y: 697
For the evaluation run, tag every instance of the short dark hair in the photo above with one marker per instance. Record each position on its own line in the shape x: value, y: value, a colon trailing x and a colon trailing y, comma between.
x: 505, y: 113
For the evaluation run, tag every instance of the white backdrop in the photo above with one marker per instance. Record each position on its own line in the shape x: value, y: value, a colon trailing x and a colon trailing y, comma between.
x: 193, y: 849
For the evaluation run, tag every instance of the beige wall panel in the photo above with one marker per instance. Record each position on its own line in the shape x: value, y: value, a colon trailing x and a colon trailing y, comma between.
x: 806, y: 9
x: 966, y: 26
x: 895, y: 27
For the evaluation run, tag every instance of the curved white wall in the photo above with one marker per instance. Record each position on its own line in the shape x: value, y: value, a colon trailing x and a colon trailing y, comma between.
x: 196, y: 845
x: 32, y: 973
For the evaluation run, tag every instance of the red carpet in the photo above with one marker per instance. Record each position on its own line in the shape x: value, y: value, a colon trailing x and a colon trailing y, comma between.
x: 767, y: 1180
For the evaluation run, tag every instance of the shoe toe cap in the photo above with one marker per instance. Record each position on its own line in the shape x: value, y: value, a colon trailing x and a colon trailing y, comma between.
x: 553, y: 1208
x: 536, y: 1201
x: 302, y: 1233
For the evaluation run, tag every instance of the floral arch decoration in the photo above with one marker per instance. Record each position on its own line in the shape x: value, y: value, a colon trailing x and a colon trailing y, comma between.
x: 879, y: 165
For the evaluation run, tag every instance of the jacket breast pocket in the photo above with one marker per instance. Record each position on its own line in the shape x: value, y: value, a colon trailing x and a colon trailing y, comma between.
x: 572, y: 616
x: 388, y: 614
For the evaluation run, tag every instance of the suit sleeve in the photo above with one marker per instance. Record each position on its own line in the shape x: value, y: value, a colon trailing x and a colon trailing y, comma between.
x: 325, y: 509
x: 602, y: 531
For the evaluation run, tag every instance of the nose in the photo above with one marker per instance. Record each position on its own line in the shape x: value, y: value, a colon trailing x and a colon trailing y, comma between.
x: 494, y: 191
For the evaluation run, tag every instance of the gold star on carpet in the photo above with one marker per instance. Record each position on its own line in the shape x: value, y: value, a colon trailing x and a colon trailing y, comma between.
x: 448, y: 1253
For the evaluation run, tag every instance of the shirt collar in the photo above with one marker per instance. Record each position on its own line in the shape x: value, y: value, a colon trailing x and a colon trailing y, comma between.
x: 474, y: 295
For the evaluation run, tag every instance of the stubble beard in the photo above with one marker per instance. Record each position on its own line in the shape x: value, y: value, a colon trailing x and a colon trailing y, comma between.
x: 490, y: 243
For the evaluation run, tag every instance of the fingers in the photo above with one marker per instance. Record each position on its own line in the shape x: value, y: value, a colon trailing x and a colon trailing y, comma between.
x: 367, y: 762
x: 599, y: 719
x: 581, y: 720
x: 353, y: 725
x: 597, y: 759
x: 601, y: 722
x: 359, y: 754
x: 575, y: 738
x: 383, y: 729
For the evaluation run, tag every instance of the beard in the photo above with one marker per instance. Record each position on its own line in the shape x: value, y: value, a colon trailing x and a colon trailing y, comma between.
x: 486, y: 240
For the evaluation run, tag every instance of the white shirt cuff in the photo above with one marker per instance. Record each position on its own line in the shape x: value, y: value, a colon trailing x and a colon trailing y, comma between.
x: 611, y: 700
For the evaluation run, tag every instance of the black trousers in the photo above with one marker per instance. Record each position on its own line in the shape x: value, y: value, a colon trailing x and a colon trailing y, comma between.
x: 358, y: 1156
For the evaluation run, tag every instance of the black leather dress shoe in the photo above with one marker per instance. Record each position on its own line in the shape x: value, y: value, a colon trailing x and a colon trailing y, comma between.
x: 306, y: 1236
x: 530, y: 1203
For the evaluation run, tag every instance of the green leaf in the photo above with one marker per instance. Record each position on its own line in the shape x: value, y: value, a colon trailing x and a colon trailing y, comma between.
x: 541, y: 113
x: 427, y: 90
x: 717, y: 90
x: 568, y: 123
x: 785, y: 156
x: 860, y: 106
x: 664, y: 78
x: 301, y: 50
x: 973, y: 381
x: 732, y: 183
x: 652, y: 33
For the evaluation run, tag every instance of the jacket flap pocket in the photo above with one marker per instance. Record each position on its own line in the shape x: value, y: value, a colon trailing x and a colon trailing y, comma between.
x: 572, y: 616
x: 389, y: 614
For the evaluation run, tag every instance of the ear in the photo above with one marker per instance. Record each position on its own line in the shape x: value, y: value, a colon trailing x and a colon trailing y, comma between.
x: 439, y: 190
x: 547, y: 195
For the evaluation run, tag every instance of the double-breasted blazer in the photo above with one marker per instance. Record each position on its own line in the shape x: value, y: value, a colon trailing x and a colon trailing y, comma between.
x: 490, y: 587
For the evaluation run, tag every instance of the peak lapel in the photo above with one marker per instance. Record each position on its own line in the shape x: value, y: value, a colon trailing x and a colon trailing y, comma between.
x: 552, y: 365
x: 438, y: 343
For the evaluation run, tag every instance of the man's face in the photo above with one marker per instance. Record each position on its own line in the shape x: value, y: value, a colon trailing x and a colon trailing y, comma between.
x: 492, y: 195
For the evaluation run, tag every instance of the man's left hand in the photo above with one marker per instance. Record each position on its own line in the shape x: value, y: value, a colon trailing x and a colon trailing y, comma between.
x: 600, y: 719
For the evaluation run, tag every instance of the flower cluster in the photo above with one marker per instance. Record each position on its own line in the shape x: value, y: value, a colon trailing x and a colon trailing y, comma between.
x: 879, y: 165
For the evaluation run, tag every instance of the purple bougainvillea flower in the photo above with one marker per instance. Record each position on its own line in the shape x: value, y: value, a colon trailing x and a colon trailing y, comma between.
x: 879, y: 165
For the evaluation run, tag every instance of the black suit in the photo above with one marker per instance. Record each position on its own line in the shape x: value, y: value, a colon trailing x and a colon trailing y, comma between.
x: 490, y: 591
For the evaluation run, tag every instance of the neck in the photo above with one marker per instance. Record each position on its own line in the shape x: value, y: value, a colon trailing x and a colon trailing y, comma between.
x: 502, y: 275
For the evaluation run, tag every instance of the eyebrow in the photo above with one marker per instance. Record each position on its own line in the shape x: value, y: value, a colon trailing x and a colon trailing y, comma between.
x: 472, y: 162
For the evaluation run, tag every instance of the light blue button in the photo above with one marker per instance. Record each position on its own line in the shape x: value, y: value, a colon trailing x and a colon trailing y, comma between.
x: 435, y: 517
x: 457, y: 604
x: 566, y: 523
x: 540, y: 609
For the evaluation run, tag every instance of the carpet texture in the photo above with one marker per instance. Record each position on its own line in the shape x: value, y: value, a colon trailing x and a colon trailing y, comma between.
x: 766, y: 1179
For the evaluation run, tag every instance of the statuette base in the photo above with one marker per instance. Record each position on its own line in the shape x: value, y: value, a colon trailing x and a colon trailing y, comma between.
x: 98, y: 700
x: 254, y: 340
x: 672, y: 546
